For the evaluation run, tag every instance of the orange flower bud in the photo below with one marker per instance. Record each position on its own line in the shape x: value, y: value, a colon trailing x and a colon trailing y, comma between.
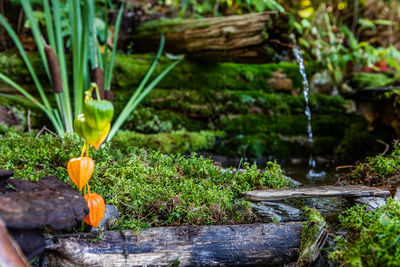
x: 80, y: 170
x: 96, y: 209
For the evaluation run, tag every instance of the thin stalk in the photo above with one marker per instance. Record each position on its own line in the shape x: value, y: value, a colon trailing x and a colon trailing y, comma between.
x: 63, y: 67
x: 49, y: 24
x: 114, y: 48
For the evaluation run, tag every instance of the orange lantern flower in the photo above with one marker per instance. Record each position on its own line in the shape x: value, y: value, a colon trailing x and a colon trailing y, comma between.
x: 96, y: 209
x: 80, y: 170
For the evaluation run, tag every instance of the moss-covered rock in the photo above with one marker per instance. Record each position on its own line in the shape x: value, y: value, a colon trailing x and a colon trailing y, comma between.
x: 173, y: 142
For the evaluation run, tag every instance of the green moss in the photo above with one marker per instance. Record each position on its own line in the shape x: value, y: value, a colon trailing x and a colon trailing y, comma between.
x: 375, y: 239
x: 377, y: 170
x: 202, y: 75
x: 309, y: 234
x: 148, y: 187
x: 174, y: 142
x: 365, y: 80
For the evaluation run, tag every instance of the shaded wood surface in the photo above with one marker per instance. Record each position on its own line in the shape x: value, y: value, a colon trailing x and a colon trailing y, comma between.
x: 252, y: 38
x: 317, y: 192
x: 30, y: 205
x: 10, y: 253
x: 227, y: 245
x: 313, y: 242
x: 5, y: 174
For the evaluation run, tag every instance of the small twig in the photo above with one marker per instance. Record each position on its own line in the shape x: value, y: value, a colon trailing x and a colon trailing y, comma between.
x: 345, y: 167
x: 282, y: 44
x: 45, y: 129
x: 129, y: 206
x: 386, y: 148
x: 29, y: 122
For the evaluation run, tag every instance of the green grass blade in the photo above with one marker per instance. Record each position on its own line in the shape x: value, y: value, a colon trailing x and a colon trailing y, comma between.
x: 26, y: 4
x: 28, y: 64
x: 21, y: 90
x: 135, y: 101
x: 114, y: 49
x: 63, y: 67
x: 49, y: 24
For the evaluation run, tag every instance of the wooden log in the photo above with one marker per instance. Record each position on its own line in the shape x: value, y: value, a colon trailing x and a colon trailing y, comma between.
x: 227, y: 245
x: 29, y: 205
x: 313, y: 238
x: 250, y: 38
x: 10, y: 253
x: 350, y: 191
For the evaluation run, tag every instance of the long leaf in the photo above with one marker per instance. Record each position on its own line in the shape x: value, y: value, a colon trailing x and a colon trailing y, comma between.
x: 48, y: 112
x: 134, y: 102
x: 28, y: 64
x: 49, y: 24
x: 26, y: 4
x: 114, y: 49
x: 66, y: 102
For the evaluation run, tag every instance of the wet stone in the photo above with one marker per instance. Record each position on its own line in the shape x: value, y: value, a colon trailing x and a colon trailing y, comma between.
x: 111, y: 214
x: 372, y: 202
x: 277, y: 211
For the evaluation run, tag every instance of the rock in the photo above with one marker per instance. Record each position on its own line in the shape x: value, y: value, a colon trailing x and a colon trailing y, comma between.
x: 397, y: 194
x: 371, y: 202
x: 276, y: 211
x: 322, y: 83
x: 111, y: 214
x: 279, y: 81
x: 29, y: 205
x: 294, y: 182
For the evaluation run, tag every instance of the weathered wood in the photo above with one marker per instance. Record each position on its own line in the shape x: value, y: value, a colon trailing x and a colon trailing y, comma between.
x: 228, y: 245
x: 30, y: 205
x: 10, y: 254
x: 249, y: 38
x: 313, y: 238
x: 5, y: 174
x: 351, y: 191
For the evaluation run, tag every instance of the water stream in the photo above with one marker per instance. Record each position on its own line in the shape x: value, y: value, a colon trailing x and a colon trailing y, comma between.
x: 312, y: 173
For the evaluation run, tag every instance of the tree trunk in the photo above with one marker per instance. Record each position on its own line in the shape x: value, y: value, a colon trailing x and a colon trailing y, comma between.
x: 227, y: 245
x: 250, y: 38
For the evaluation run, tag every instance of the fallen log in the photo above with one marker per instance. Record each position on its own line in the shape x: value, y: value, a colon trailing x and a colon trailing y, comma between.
x: 227, y: 245
x: 248, y: 38
x: 351, y: 191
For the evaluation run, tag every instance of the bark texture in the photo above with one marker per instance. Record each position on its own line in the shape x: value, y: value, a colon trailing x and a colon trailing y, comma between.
x: 228, y: 245
x: 252, y: 38
x: 30, y: 205
x: 350, y: 191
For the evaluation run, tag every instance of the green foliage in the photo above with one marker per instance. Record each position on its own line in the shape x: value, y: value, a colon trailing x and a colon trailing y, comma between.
x: 148, y: 187
x: 173, y: 142
x: 217, y: 7
x: 379, y: 169
x: 376, y: 236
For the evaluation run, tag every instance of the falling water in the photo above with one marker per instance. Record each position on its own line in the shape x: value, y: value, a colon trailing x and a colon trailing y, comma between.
x: 306, y: 93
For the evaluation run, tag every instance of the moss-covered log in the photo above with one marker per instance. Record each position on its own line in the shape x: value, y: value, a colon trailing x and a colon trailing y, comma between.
x: 227, y: 245
x: 249, y: 38
x: 130, y: 69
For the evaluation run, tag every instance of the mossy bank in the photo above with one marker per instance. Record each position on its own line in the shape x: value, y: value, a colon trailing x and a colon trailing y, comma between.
x: 148, y: 187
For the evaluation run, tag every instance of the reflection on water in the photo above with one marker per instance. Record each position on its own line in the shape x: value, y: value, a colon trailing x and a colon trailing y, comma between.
x: 321, y: 174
